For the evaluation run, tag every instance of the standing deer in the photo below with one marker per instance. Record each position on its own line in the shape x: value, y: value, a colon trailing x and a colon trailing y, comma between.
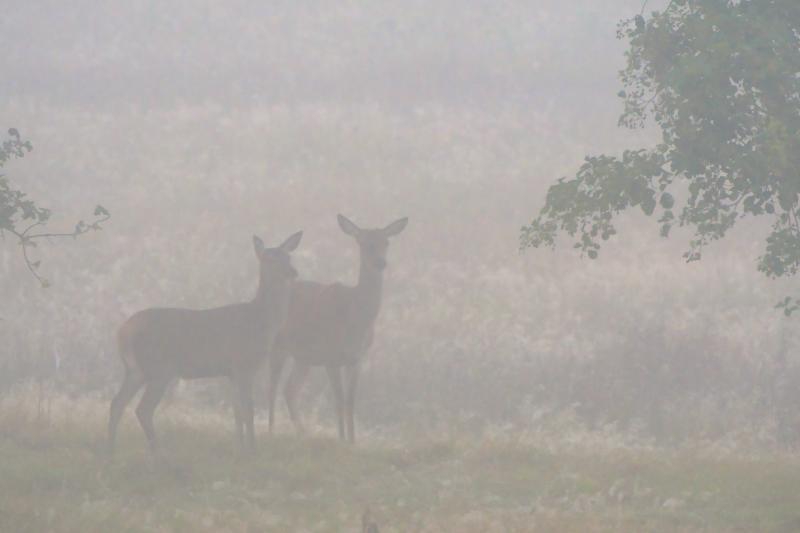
x: 158, y: 345
x: 332, y: 326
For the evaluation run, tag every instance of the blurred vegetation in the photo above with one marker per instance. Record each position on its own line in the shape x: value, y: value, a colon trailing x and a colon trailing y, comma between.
x: 468, y: 337
x: 720, y: 80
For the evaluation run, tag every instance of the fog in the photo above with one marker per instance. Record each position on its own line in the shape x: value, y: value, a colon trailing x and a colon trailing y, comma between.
x: 201, y: 124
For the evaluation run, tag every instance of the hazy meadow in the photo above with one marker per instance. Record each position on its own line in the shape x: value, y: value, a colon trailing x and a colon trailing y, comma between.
x: 504, y: 391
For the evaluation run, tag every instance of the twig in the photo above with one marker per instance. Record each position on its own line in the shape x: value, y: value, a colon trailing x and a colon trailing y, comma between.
x: 26, y: 240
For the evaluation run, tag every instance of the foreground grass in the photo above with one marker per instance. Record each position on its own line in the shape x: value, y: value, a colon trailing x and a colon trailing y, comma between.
x: 53, y: 477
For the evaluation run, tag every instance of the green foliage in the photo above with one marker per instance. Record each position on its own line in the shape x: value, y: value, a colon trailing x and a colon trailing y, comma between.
x: 14, y: 206
x: 19, y: 215
x: 721, y: 81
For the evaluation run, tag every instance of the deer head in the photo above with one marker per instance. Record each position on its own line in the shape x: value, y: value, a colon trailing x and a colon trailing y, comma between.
x: 372, y: 243
x: 275, y: 264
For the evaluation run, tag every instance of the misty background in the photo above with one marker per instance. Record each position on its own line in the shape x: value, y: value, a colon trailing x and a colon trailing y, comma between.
x: 198, y: 124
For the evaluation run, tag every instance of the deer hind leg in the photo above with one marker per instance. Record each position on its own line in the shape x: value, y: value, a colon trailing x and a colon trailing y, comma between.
x: 275, y: 370
x: 292, y: 388
x: 147, y: 406
x: 130, y: 386
x: 352, y: 373
x: 335, y: 376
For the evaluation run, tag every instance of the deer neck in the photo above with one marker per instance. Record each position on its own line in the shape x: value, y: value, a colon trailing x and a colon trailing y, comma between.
x: 368, y: 291
x: 272, y: 301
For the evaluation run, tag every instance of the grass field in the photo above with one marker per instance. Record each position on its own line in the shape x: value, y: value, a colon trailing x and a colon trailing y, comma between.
x: 53, y: 477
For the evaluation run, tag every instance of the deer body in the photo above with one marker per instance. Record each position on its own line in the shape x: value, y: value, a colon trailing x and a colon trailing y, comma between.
x: 222, y: 340
x: 158, y: 345
x: 332, y: 326
x: 329, y: 324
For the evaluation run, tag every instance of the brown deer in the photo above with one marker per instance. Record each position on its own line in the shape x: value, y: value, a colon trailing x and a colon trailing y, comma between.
x: 158, y: 345
x: 332, y: 326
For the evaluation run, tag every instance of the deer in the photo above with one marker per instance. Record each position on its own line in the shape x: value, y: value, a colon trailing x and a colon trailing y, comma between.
x: 159, y: 345
x: 332, y: 326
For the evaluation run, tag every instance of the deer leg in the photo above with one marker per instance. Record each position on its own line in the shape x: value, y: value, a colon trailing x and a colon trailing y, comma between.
x: 130, y: 386
x: 292, y: 388
x: 236, y: 400
x: 246, y: 401
x: 335, y: 376
x: 147, y: 406
x: 352, y: 373
x: 275, y: 370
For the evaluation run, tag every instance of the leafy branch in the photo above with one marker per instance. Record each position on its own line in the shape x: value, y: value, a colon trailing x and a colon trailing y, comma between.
x: 720, y: 80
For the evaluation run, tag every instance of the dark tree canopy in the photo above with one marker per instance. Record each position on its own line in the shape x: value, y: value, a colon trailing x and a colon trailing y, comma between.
x: 21, y: 217
x: 722, y: 81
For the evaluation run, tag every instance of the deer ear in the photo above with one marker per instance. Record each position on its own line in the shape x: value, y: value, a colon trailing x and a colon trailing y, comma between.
x: 290, y: 244
x: 347, y: 226
x: 395, y: 227
x: 258, y: 245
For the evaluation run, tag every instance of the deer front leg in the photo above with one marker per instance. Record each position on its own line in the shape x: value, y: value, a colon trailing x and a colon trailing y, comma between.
x: 248, y: 412
x: 335, y: 377
x: 292, y: 388
x: 236, y: 401
x: 352, y: 373
x: 275, y: 369
x: 243, y: 410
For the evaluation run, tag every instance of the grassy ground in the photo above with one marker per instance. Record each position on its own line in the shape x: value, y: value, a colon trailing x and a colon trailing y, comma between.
x: 54, y: 478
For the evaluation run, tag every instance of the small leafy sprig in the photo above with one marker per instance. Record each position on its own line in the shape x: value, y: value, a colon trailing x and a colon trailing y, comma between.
x: 27, y: 239
x: 17, y: 209
x: 789, y: 305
